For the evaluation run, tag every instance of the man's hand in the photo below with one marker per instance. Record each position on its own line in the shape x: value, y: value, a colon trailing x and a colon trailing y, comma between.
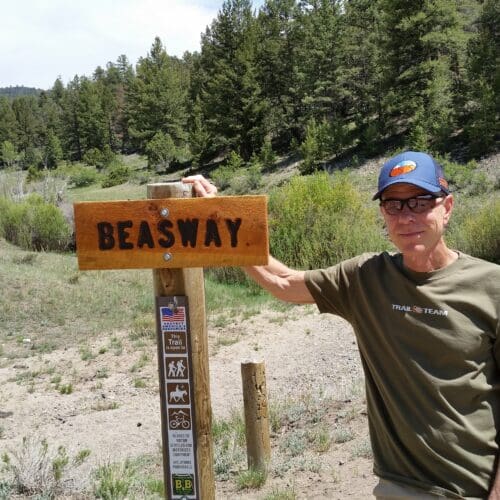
x: 202, y: 187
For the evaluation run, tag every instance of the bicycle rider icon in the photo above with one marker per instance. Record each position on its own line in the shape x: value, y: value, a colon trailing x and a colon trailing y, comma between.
x: 179, y: 419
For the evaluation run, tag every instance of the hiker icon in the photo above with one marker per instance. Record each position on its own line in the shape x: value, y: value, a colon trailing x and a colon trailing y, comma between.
x: 176, y: 368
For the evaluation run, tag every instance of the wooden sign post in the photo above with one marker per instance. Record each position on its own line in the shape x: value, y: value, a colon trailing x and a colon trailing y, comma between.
x: 176, y: 236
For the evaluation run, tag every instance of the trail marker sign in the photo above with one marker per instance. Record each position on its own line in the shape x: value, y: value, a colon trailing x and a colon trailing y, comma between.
x: 177, y: 235
x: 190, y: 232
x: 177, y: 398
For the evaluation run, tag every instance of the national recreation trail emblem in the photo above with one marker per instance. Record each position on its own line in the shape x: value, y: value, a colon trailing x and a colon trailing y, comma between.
x: 173, y: 319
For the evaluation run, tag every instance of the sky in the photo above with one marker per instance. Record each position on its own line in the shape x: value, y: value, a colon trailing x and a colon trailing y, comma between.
x: 41, y: 40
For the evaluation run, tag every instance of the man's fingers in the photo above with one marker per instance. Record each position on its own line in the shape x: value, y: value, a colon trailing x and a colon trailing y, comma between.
x: 202, y: 187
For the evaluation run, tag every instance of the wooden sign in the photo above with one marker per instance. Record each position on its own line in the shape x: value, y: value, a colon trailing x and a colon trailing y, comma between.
x: 173, y: 232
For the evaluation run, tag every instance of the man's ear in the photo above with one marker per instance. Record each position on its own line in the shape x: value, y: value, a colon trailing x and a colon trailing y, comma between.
x: 448, y: 206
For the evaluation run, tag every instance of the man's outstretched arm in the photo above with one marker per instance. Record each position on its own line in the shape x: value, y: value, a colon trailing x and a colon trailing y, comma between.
x: 282, y: 282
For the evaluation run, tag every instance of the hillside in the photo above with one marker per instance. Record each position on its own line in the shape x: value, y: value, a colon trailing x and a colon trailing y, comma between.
x: 18, y: 91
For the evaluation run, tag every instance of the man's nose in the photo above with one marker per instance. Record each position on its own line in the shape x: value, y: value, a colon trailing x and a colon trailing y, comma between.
x: 406, y: 215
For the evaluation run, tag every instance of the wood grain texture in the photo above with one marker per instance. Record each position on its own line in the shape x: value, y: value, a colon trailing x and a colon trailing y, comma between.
x: 197, y: 232
x: 190, y: 282
x: 253, y: 376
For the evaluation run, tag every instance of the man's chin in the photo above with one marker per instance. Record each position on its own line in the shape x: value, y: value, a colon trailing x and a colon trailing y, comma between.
x: 412, y: 249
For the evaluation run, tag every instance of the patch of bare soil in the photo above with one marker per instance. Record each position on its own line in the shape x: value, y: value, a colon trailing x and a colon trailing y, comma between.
x: 308, y: 357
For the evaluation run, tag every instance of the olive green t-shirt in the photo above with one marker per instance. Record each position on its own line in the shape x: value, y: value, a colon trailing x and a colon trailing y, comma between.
x: 429, y: 349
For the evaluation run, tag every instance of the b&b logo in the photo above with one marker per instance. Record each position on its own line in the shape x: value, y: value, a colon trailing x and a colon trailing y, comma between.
x: 183, y: 484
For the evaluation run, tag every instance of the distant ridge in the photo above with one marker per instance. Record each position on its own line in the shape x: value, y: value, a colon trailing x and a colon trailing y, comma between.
x: 18, y: 90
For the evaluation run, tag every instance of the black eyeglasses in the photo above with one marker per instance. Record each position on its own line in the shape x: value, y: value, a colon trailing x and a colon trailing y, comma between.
x: 417, y: 204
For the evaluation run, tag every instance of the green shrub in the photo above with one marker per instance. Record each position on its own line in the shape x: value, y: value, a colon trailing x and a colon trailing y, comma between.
x: 322, y: 140
x: 4, y: 206
x: 251, y: 479
x: 229, y: 443
x: 267, y: 156
x: 34, y: 174
x: 38, y: 471
x: 161, y: 151
x: 418, y: 138
x: 66, y: 389
x: 32, y: 156
x: 475, y: 229
x: 318, y: 220
x: 99, y: 158
x: 8, y: 153
x: 34, y: 224
x: 247, y: 179
x: 223, y: 175
x: 80, y: 176
x: 16, y: 223
x: 117, y: 174
x: 50, y: 229
x: 314, y: 148
x: 113, y: 481
x: 254, y: 174
x: 465, y: 178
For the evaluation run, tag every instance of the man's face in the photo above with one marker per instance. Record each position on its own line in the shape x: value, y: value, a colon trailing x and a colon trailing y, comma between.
x: 416, y: 233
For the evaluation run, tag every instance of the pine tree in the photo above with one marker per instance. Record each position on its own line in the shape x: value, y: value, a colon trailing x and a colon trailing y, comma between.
x: 28, y: 122
x: 112, y: 84
x: 318, y: 59
x: 92, y: 117
x: 72, y: 138
x: 360, y: 76
x: 119, y: 89
x: 51, y: 129
x: 52, y: 152
x: 422, y: 42
x: 156, y: 98
x: 483, y: 122
x: 57, y: 91
x: 161, y: 151
x: 8, y: 153
x: 8, y: 124
x: 200, y: 138
x: 226, y: 86
x: 276, y: 62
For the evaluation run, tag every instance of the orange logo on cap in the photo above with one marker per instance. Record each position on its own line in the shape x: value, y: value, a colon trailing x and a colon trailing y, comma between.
x: 443, y: 183
x: 403, y: 168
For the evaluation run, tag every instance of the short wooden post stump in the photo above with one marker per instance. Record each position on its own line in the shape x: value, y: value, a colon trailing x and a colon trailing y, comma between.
x: 256, y: 414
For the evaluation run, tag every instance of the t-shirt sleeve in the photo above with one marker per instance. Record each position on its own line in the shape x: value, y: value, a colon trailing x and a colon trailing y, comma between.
x: 496, y: 345
x: 491, y: 285
x: 331, y: 287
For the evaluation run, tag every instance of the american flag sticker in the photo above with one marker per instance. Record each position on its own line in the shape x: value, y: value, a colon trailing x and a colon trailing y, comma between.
x: 173, y: 319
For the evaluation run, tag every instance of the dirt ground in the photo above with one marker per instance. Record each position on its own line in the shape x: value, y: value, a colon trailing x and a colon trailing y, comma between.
x: 308, y: 357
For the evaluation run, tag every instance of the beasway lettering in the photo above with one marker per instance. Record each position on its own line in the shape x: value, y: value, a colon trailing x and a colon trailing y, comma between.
x: 165, y: 233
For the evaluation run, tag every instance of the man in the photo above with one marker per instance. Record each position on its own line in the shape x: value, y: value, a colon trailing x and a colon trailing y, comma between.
x: 426, y: 321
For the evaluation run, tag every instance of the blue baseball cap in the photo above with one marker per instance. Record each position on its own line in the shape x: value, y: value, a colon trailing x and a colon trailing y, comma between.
x: 410, y: 167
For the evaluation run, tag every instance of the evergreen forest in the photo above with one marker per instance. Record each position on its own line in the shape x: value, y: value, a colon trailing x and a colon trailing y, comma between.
x: 321, y: 78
